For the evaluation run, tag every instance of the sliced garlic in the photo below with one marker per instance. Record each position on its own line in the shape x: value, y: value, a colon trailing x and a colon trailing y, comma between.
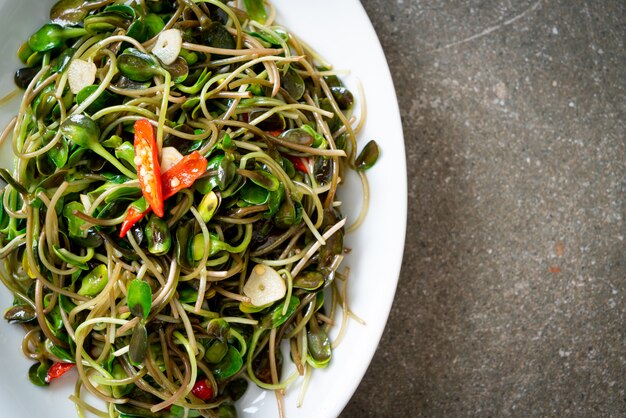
x: 81, y: 74
x: 168, y: 46
x: 264, y: 286
x: 169, y: 158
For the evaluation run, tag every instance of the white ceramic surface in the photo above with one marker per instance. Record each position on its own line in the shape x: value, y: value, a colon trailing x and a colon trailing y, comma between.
x: 342, y: 33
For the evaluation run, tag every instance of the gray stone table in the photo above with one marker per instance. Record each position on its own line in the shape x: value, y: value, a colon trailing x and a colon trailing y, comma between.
x: 512, y: 297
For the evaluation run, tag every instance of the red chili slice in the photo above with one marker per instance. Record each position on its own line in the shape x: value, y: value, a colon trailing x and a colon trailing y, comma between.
x: 202, y: 390
x: 298, y: 164
x: 132, y: 217
x: 183, y: 174
x: 148, y: 168
x: 58, y: 370
x: 179, y: 177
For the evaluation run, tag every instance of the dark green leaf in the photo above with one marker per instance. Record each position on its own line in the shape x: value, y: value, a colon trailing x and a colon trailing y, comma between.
x: 289, y: 214
x: 68, y: 12
x: 293, y: 83
x: 236, y: 389
x: 264, y: 179
x: 343, y: 97
x: 309, y: 280
x: 138, y: 344
x: 158, y: 234
x: 154, y: 25
x: 20, y: 314
x: 217, y: 36
x: 101, y: 101
x: 24, y: 76
x: 300, y: 136
x: 368, y: 156
x: 108, y: 21
x: 37, y: 373
x: 138, y: 30
x: 138, y: 66
x: 226, y: 172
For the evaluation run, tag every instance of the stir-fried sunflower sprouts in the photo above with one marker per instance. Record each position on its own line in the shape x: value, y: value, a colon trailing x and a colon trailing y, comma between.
x: 172, y: 215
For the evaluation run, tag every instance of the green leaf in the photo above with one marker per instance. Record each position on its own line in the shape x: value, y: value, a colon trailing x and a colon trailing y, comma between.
x: 197, y: 86
x: 256, y: 10
x: 96, y: 280
x: 113, y: 142
x: 61, y: 353
x: 118, y: 373
x: 79, y: 261
x: 253, y: 194
x: 154, y: 24
x: 101, y: 101
x: 74, y: 223
x: 229, y: 366
x: 139, y: 298
x: 59, y: 154
x: 208, y: 205
x: 318, y: 140
x: 179, y: 412
x: 309, y: 280
x: 126, y: 152
x: 51, y: 36
x: 216, y: 351
x: 276, y: 318
x: 319, y: 346
x: 264, y: 179
x: 64, y: 60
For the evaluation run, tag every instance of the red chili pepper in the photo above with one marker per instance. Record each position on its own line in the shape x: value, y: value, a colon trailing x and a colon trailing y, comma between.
x: 298, y: 164
x: 179, y: 177
x: 148, y: 168
x: 183, y: 174
x: 58, y: 370
x: 202, y: 390
x: 132, y: 217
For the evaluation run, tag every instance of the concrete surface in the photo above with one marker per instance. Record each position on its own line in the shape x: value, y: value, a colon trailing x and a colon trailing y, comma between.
x: 512, y: 298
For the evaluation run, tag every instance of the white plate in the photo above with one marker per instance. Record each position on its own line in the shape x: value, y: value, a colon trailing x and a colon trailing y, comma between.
x: 342, y: 33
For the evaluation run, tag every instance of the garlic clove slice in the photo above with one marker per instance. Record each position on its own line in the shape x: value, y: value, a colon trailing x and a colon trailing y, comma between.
x: 264, y: 286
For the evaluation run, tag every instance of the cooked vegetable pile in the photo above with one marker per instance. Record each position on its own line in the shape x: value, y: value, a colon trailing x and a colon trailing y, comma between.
x: 172, y: 214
